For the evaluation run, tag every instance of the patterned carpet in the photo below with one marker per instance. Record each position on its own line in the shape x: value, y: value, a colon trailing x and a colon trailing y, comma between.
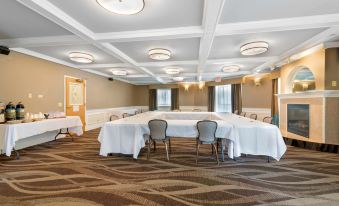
x: 72, y: 173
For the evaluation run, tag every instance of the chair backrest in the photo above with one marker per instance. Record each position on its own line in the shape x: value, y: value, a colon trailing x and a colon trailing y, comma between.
x: 236, y: 112
x: 243, y: 114
x: 157, y: 129
x: 253, y: 116
x: 113, y: 117
x: 137, y: 112
x: 268, y: 120
x: 206, y: 130
x: 124, y: 115
x: 196, y: 110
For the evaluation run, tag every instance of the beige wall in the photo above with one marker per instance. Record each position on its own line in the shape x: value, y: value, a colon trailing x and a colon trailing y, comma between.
x: 257, y: 96
x: 332, y: 68
x: 141, y: 96
x: 21, y: 74
x: 193, y: 97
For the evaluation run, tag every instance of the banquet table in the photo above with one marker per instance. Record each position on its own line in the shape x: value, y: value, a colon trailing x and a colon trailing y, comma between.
x: 11, y: 133
x: 239, y: 134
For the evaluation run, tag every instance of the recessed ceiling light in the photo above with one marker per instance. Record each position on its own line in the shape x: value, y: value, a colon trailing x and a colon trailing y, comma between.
x: 159, y: 54
x: 81, y: 57
x: 254, y: 48
x: 178, y: 79
x: 123, y: 7
x: 230, y: 68
x: 172, y: 70
x: 119, y: 72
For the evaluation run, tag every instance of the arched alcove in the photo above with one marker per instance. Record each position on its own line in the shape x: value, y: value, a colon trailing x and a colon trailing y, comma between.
x: 301, y: 79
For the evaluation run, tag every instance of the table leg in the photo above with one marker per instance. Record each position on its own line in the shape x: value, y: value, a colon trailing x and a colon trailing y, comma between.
x: 17, y: 154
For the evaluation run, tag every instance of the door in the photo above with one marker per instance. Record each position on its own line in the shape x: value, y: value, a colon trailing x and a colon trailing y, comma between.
x: 75, y: 98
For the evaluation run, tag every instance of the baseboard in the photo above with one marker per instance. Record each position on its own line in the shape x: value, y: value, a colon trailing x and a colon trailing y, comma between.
x: 312, y: 145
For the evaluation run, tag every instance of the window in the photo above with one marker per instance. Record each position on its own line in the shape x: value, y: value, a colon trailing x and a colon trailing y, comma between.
x: 223, y: 98
x: 164, y: 97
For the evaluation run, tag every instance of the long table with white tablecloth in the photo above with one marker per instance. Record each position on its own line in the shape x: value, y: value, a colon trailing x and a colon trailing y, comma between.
x: 10, y: 134
x: 241, y: 135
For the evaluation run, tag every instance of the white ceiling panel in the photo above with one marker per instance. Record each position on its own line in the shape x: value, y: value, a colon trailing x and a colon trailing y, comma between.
x: 181, y: 49
x: 256, y: 10
x: 61, y: 52
x: 229, y: 46
x: 17, y: 21
x: 156, y: 14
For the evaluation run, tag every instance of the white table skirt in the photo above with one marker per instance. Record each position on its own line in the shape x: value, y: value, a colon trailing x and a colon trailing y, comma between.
x: 125, y: 136
x: 241, y: 135
x: 9, y: 134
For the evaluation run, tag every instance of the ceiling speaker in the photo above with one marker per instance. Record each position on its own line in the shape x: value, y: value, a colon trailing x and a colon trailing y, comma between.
x: 4, y: 50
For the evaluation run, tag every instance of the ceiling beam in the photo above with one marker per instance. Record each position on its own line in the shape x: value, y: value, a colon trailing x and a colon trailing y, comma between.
x: 51, y: 12
x: 283, y: 24
x: 211, y: 16
x: 150, y: 34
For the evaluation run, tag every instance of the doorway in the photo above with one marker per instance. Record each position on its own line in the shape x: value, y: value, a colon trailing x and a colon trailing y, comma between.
x: 75, y: 98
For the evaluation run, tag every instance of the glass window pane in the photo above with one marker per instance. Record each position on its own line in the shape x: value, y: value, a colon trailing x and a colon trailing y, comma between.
x: 223, y: 98
x: 164, y: 97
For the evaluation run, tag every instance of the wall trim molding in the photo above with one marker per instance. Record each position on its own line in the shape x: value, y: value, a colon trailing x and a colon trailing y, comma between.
x: 310, y: 94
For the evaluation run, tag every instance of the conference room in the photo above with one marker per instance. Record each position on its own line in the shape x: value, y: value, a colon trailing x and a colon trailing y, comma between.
x: 169, y: 102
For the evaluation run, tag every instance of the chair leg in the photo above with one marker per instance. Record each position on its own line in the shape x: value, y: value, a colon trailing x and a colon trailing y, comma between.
x: 154, y: 146
x: 167, y: 151
x: 197, y: 156
x: 212, y: 149
x: 148, y: 149
x: 216, y: 153
x: 268, y: 159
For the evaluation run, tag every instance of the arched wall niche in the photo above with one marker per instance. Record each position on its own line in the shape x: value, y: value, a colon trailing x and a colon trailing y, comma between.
x: 301, y: 79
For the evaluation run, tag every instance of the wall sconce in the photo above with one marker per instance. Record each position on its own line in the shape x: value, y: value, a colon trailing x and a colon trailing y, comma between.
x: 186, y: 86
x: 201, y: 85
x: 257, y: 81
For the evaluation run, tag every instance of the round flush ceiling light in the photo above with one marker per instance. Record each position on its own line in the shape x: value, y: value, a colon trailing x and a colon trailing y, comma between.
x: 230, y: 68
x: 159, y: 54
x: 178, y: 79
x: 81, y: 57
x: 123, y: 7
x: 119, y: 72
x: 172, y: 70
x: 254, y: 48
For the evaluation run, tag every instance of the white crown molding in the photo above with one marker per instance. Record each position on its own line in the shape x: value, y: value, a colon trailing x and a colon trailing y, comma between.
x: 284, y: 24
x: 311, y: 94
x: 211, y: 17
x: 150, y: 34
x: 328, y: 45
x: 314, y: 41
x: 43, y: 41
x: 43, y: 56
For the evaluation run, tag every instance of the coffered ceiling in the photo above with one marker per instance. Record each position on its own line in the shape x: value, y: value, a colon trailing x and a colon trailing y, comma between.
x: 203, y: 36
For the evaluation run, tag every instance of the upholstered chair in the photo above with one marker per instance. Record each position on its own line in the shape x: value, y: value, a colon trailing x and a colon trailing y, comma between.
x: 206, y: 135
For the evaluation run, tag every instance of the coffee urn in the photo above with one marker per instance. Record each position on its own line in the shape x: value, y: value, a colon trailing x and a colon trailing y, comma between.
x: 10, y: 112
x: 20, y: 111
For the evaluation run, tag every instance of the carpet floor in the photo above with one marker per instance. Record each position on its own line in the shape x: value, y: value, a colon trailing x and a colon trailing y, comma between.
x: 72, y: 174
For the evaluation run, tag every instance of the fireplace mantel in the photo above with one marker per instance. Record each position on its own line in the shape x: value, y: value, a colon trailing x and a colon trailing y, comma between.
x: 310, y: 94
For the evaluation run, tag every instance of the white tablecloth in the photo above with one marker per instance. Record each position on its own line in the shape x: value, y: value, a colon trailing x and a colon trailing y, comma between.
x: 125, y: 136
x: 9, y: 134
x: 256, y: 137
x: 242, y: 135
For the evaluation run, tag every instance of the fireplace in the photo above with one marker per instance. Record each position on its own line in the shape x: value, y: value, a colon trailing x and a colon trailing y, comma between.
x: 298, y: 119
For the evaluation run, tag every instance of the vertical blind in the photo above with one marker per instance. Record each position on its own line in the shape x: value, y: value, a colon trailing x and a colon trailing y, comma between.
x: 164, y: 97
x: 223, y: 98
